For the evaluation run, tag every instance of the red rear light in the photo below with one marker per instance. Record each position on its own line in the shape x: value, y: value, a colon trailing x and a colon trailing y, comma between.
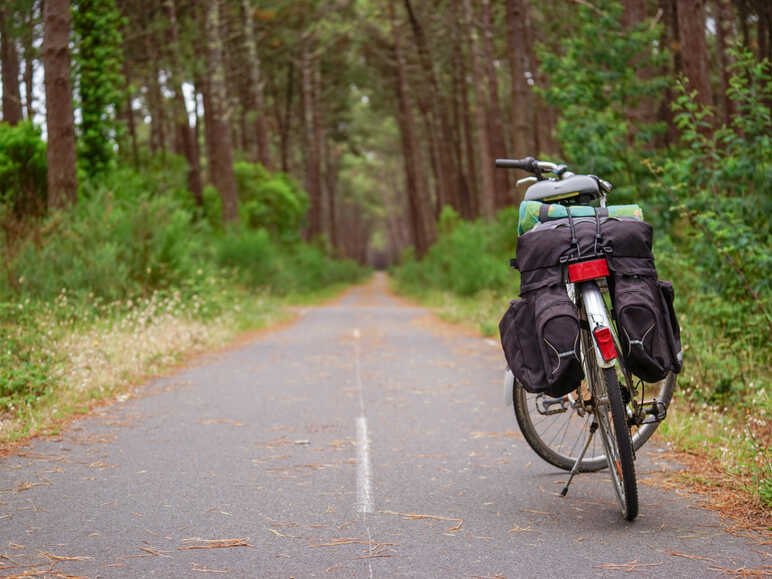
x: 585, y: 270
x: 605, y: 343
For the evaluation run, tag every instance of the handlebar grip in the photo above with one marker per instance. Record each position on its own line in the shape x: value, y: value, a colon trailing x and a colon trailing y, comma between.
x: 526, y: 164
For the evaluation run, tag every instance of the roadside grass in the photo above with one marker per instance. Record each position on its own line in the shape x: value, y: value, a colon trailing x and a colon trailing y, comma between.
x: 730, y: 440
x: 70, y: 355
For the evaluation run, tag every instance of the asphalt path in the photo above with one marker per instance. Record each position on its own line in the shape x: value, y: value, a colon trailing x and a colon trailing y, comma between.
x: 366, y: 439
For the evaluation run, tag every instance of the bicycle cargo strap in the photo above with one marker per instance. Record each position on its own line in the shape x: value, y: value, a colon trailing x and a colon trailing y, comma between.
x: 574, y: 241
x: 599, y: 213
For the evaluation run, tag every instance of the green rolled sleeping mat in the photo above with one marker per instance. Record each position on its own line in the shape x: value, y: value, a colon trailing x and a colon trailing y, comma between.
x: 531, y: 213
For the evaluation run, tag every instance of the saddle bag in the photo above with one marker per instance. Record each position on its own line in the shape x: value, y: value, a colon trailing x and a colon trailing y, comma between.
x: 540, y: 338
x: 648, y: 329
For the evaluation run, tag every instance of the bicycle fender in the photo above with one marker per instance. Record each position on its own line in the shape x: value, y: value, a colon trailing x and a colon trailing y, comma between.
x: 509, y: 388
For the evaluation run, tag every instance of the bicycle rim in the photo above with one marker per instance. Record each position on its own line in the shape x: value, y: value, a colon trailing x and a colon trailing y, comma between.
x: 558, y: 438
x: 615, y: 434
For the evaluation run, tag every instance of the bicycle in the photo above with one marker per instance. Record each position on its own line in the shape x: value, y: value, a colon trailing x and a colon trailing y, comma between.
x: 609, y: 402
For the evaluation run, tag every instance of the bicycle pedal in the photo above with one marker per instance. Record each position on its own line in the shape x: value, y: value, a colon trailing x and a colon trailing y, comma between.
x: 657, y: 412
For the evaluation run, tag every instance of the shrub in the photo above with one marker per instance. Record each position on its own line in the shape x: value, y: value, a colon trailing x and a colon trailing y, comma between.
x: 720, y: 185
x: 272, y: 201
x: 23, y: 179
x: 25, y: 363
x: 113, y: 249
x: 285, y: 268
x: 251, y: 253
x: 468, y: 257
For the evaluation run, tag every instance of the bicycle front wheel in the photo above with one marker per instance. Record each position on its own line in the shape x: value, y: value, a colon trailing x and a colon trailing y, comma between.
x: 615, y: 434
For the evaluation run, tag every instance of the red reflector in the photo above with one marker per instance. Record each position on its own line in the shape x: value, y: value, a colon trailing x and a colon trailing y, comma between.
x: 587, y: 270
x: 605, y: 343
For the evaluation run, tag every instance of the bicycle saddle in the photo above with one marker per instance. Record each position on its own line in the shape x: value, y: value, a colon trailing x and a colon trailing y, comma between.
x: 568, y: 188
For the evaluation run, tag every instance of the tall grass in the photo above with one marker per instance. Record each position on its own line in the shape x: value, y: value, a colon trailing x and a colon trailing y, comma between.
x: 135, y: 257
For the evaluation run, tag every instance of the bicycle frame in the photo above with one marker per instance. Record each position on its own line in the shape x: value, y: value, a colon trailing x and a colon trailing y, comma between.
x: 597, y: 316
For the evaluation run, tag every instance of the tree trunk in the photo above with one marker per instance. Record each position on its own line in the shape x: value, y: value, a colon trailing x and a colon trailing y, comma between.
x: 421, y: 220
x: 256, y: 86
x: 182, y: 124
x: 670, y: 40
x: 286, y: 123
x: 129, y: 111
x: 724, y: 17
x: 431, y: 146
x: 62, y: 175
x: 320, y: 145
x: 763, y: 30
x: 10, y: 62
x: 498, y: 146
x: 447, y: 169
x: 644, y: 110
x: 29, y: 62
x: 694, y: 53
x: 155, y: 100
x: 313, y: 169
x: 742, y: 17
x: 522, y: 131
x: 486, y: 197
x: 331, y: 158
x: 220, y: 151
x: 634, y: 12
x: 468, y: 190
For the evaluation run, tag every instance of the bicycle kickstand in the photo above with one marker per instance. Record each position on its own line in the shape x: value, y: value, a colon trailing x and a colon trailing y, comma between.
x: 593, y: 428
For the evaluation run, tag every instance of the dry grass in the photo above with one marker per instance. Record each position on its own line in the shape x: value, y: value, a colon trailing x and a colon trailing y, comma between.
x: 727, y: 494
x: 104, y: 359
x: 198, y: 543
x: 414, y: 516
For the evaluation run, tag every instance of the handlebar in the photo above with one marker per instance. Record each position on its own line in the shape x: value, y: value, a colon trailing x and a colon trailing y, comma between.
x: 527, y: 164
x: 538, y: 167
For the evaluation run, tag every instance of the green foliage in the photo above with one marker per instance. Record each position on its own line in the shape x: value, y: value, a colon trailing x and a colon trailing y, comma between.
x: 97, y: 66
x: 720, y: 185
x: 161, y: 175
x: 594, y: 83
x: 134, y: 247
x: 23, y: 178
x: 286, y: 268
x: 25, y: 363
x: 113, y: 249
x: 272, y: 201
x: 468, y: 257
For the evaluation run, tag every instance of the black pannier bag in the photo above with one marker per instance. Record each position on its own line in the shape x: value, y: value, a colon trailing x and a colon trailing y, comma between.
x: 646, y: 322
x: 672, y: 328
x: 540, y: 338
x: 518, y: 330
x: 625, y: 242
x: 641, y: 321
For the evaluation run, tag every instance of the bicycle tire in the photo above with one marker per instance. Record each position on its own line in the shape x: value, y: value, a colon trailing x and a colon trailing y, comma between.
x: 616, y: 435
x: 559, y: 438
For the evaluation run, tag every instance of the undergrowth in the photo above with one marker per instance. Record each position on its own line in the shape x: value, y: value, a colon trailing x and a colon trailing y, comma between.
x: 136, y: 275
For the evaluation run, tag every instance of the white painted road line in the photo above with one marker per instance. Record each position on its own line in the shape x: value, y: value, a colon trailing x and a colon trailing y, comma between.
x: 364, y: 484
x: 364, y: 471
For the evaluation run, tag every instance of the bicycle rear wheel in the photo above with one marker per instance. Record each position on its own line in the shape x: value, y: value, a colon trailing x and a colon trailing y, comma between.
x: 557, y: 428
x: 615, y: 434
